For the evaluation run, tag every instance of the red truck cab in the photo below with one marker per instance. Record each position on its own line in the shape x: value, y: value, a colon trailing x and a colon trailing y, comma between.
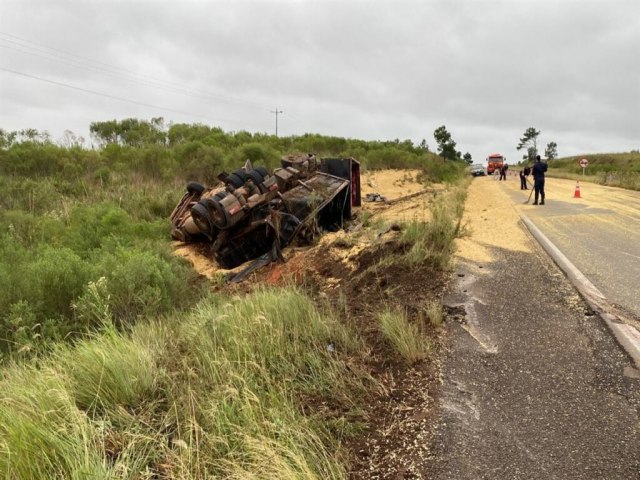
x: 494, y: 162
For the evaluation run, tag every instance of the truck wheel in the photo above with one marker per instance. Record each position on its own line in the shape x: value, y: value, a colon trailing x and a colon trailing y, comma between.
x: 195, y: 187
x: 235, y: 180
x: 263, y: 171
x: 200, y: 215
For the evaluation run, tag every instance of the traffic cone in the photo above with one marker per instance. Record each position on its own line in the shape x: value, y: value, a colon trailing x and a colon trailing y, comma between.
x: 576, y: 193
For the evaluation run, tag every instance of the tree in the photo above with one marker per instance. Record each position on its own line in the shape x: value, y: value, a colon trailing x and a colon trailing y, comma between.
x: 467, y: 158
x: 71, y: 140
x: 423, y: 145
x: 551, y: 151
x: 530, y: 141
x: 7, y: 138
x: 446, y: 145
x: 104, y: 132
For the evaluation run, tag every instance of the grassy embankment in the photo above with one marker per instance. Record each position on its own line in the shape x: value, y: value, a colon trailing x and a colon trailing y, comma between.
x: 151, y: 386
x: 235, y: 388
x: 428, y: 244
x: 613, y: 169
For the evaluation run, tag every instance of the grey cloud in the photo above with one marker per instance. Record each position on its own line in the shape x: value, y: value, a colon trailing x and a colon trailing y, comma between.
x: 486, y: 69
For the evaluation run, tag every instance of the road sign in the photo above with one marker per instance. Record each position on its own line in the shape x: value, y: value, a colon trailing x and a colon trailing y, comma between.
x: 584, y: 163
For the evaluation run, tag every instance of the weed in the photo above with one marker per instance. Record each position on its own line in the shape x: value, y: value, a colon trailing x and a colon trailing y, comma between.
x: 435, y: 313
x: 407, y: 338
x: 431, y: 242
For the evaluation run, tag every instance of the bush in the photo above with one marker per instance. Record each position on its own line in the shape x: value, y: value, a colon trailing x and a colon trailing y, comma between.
x: 257, y: 153
x: 200, y: 162
x: 141, y: 283
x: 54, y: 280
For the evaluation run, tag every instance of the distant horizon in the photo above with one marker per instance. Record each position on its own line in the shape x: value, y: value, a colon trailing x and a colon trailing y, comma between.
x: 88, y: 141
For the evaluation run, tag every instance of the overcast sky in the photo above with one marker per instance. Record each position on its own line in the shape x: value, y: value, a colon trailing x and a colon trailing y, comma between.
x: 361, y: 69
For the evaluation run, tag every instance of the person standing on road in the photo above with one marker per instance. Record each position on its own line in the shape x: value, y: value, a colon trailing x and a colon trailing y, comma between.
x: 503, y: 172
x: 524, y: 173
x: 538, y: 179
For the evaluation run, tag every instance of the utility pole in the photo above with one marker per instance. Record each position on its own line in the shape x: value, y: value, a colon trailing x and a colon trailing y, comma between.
x: 276, y: 111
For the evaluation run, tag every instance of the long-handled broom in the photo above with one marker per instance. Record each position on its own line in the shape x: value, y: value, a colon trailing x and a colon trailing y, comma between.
x: 531, y: 192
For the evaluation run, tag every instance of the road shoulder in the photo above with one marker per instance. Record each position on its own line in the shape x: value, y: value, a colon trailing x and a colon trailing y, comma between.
x: 533, y: 384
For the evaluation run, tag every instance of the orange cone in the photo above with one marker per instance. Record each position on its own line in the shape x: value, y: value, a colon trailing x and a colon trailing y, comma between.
x: 576, y: 193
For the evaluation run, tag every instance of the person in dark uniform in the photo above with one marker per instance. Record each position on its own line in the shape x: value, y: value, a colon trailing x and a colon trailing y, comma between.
x: 524, y: 173
x: 503, y: 172
x: 538, y: 179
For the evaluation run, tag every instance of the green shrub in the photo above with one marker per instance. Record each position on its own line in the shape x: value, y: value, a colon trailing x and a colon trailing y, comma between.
x: 102, y: 175
x: 142, y: 283
x: 54, y: 280
x: 257, y: 153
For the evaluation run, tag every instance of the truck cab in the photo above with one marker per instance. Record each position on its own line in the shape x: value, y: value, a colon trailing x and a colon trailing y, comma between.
x: 495, y: 161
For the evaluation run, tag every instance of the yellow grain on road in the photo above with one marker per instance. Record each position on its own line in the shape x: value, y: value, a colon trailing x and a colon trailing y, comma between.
x: 492, y: 221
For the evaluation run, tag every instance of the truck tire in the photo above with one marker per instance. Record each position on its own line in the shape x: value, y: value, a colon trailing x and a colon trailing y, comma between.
x: 200, y: 215
x: 263, y: 171
x: 195, y: 187
x: 235, y: 180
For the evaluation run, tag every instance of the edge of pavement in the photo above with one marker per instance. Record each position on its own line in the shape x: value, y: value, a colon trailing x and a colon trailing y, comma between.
x: 626, y: 335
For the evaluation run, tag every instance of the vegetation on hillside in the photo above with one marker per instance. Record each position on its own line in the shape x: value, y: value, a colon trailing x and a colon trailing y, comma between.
x: 71, y: 215
x: 613, y: 169
x: 221, y: 392
x: 117, y: 363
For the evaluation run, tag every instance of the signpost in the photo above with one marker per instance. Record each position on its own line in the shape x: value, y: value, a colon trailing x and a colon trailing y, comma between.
x: 584, y: 163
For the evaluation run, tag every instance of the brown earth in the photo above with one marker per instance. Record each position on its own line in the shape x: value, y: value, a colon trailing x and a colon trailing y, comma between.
x: 351, y: 270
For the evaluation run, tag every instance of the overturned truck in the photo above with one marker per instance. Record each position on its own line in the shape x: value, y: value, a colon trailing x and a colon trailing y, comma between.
x: 253, y: 213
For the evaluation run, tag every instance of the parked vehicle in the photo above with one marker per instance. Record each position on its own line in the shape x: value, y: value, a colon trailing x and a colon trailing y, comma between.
x: 477, y: 170
x: 495, y: 162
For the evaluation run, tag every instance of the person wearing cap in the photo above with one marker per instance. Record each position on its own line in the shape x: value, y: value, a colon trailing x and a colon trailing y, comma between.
x: 538, y: 180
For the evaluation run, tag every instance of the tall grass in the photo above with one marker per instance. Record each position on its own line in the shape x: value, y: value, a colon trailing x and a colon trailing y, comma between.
x: 237, y: 388
x: 42, y: 432
x: 407, y: 338
x: 434, y: 312
x: 431, y: 242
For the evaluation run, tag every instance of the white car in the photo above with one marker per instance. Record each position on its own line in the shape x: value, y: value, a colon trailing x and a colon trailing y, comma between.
x: 477, y: 170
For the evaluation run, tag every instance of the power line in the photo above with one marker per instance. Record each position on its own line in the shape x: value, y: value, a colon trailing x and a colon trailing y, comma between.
x: 106, y: 95
x: 88, y: 63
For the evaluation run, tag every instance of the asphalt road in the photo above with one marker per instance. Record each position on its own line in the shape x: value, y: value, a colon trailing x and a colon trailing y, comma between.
x: 534, y: 385
x: 599, y: 233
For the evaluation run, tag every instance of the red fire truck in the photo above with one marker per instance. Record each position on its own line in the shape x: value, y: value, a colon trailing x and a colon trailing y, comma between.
x: 494, y: 162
